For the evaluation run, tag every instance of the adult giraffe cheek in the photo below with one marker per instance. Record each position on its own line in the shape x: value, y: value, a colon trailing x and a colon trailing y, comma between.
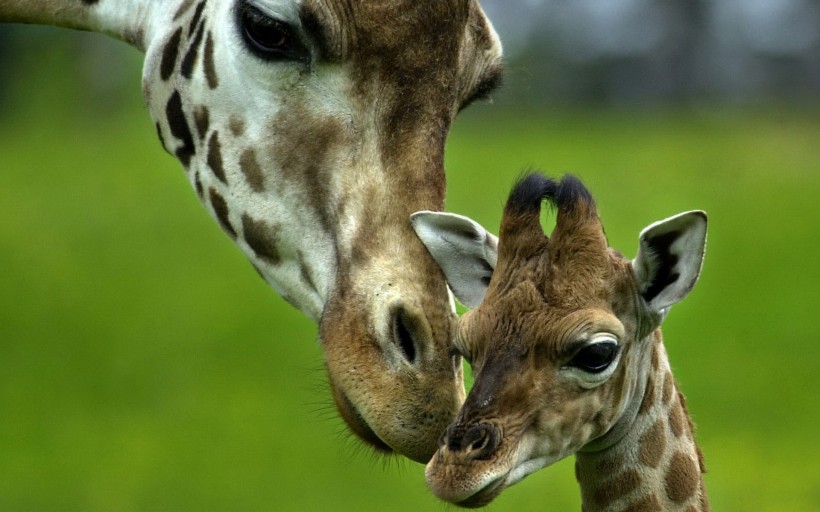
x: 393, y: 378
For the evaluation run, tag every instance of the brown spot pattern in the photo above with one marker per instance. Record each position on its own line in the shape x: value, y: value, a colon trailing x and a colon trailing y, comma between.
x: 221, y: 211
x: 677, y: 420
x: 648, y: 396
x: 261, y: 237
x: 646, y: 504
x: 307, y: 155
x: 198, y: 186
x: 237, y: 126
x: 682, y: 478
x: 618, y: 487
x: 668, y: 387
x: 202, y: 120
x: 179, y: 128
x: 189, y: 60
x: 653, y: 444
x: 610, y: 465
x: 161, y: 138
x: 252, y: 171
x: 169, y: 55
x: 195, y: 20
x: 210, y: 69
x: 183, y: 9
x: 215, y: 158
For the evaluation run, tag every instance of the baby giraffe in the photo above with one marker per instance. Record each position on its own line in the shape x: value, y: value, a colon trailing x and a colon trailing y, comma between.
x: 566, y: 347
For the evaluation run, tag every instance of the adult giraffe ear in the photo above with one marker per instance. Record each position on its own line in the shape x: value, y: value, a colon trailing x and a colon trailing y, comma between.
x: 670, y: 257
x: 466, y: 252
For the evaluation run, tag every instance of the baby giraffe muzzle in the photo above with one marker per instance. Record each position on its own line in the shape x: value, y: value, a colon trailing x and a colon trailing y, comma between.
x: 565, y: 343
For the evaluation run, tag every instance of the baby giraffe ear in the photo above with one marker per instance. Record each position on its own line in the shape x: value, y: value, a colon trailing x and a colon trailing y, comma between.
x: 466, y: 252
x: 669, y: 259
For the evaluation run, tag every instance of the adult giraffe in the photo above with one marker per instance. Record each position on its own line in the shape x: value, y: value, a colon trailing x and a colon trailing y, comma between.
x: 311, y: 130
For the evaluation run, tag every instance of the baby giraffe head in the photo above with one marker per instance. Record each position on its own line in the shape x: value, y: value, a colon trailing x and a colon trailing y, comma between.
x: 561, y: 334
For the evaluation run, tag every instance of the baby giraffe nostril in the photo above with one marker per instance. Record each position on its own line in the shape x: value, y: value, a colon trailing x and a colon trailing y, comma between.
x: 478, y: 442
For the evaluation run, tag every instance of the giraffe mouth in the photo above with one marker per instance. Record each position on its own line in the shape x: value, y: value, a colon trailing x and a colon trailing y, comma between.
x: 486, y: 494
x: 353, y: 418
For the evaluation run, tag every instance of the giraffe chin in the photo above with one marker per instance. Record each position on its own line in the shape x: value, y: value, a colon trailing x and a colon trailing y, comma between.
x: 357, y: 423
x: 389, y: 433
x: 485, y: 495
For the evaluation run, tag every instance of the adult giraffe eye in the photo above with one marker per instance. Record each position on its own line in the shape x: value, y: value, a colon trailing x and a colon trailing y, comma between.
x: 596, y: 357
x: 269, y: 38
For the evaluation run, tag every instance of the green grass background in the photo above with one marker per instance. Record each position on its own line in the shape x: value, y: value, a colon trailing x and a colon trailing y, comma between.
x: 145, y: 367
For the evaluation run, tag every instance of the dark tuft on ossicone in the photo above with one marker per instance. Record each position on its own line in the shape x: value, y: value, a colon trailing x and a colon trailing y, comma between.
x: 529, y: 192
x: 571, y: 192
x: 534, y: 188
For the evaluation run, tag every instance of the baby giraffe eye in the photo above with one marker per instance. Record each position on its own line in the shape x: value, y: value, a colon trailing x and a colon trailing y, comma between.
x: 595, y: 357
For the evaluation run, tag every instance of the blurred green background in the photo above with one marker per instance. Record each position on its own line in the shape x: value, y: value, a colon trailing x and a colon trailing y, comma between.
x: 144, y: 366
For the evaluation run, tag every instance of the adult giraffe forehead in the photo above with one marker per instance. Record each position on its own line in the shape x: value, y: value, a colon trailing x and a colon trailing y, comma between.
x: 311, y: 130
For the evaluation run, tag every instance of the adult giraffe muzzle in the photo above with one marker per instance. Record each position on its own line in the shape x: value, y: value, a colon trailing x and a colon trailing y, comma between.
x: 311, y: 130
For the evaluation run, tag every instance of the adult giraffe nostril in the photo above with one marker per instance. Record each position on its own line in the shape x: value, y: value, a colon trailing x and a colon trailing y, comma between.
x: 405, y: 332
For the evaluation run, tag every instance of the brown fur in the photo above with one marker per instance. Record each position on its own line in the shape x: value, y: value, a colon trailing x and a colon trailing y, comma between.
x: 545, y: 294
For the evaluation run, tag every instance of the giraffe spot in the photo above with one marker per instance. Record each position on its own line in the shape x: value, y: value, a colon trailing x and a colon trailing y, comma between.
x: 689, y: 427
x: 677, y: 420
x: 261, y: 237
x: 161, y: 138
x: 682, y: 478
x: 189, y: 60
x: 169, y: 55
x: 237, y: 126
x: 202, y: 120
x: 209, y: 67
x: 221, y: 211
x: 197, y: 15
x: 668, y: 387
x: 215, y: 158
x: 183, y: 9
x: 646, y: 504
x: 179, y: 128
x: 656, y: 358
x: 198, y: 186
x: 653, y: 444
x: 252, y: 171
x: 610, y: 465
x: 648, y: 396
x: 616, y: 488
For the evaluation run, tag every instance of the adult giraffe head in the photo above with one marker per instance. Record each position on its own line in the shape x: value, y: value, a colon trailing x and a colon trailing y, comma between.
x: 311, y: 130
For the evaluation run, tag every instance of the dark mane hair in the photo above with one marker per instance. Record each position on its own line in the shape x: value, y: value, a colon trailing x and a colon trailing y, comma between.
x: 532, y: 189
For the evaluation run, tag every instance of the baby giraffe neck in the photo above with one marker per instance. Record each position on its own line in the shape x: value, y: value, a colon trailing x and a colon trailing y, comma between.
x: 656, y: 466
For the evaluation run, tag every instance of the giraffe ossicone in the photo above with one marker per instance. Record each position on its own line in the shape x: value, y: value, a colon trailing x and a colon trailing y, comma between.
x: 311, y: 130
x: 566, y: 347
